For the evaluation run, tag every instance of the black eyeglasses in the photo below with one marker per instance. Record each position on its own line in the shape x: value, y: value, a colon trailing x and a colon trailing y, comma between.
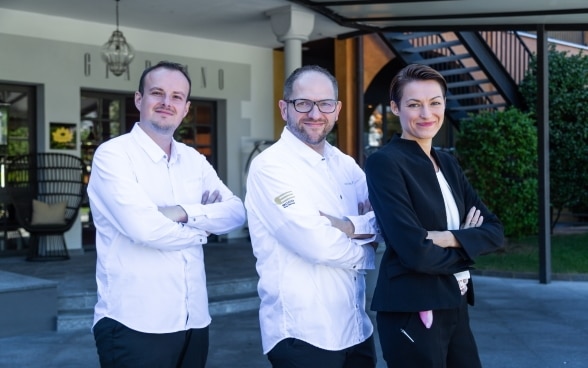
x: 303, y: 105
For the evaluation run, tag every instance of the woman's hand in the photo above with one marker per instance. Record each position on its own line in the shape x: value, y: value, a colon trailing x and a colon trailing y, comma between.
x: 463, y: 286
x: 445, y: 239
x: 473, y: 219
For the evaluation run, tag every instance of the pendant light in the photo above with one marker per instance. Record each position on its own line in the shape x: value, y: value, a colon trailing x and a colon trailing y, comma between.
x: 117, y: 53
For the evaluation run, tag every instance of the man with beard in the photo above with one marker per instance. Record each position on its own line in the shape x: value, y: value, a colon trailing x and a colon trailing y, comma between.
x: 312, y: 231
x: 154, y: 202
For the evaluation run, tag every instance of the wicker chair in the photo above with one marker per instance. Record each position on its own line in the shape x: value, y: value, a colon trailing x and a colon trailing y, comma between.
x: 47, y: 190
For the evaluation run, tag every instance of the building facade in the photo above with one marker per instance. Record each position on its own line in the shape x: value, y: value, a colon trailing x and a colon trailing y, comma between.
x: 57, y: 62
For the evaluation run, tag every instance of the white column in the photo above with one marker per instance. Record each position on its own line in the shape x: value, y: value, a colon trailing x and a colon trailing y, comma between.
x: 292, y: 25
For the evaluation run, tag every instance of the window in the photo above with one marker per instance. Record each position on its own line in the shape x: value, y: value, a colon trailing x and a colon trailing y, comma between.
x: 100, y: 120
x: 107, y: 115
x: 198, y: 129
x: 17, y: 112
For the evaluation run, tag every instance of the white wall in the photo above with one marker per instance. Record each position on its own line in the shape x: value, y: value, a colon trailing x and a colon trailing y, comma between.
x: 49, y: 52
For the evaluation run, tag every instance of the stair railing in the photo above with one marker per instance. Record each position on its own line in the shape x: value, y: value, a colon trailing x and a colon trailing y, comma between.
x: 511, y: 50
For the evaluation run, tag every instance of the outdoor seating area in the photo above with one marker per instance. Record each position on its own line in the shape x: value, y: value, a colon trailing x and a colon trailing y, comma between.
x: 42, y: 196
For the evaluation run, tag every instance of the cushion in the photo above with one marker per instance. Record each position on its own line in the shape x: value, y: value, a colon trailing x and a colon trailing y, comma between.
x: 48, y: 214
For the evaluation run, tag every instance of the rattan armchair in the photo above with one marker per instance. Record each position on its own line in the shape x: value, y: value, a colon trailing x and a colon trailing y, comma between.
x: 47, y: 190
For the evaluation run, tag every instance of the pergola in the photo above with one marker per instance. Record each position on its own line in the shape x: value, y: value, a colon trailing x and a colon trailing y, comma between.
x: 539, y: 16
x: 248, y: 22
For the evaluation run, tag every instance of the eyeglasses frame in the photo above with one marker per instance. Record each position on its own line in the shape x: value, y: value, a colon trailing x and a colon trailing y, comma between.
x: 293, y: 102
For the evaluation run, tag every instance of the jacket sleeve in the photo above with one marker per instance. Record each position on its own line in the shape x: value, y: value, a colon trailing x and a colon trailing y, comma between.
x: 478, y: 240
x: 401, y: 198
x: 119, y: 201
x: 217, y: 218
x: 276, y: 204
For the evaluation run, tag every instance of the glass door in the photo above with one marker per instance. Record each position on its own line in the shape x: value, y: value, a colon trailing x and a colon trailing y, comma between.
x: 17, y: 137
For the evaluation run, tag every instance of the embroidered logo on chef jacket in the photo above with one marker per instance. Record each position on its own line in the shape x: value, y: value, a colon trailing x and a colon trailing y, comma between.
x: 285, y: 199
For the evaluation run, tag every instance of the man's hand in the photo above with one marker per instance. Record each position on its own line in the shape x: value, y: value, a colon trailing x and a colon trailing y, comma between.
x: 364, y: 207
x: 174, y: 213
x: 344, y: 225
x: 177, y: 213
x: 208, y: 198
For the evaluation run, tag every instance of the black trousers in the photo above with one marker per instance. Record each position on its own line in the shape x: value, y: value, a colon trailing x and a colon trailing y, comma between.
x: 119, y: 346
x: 294, y: 353
x: 449, y: 343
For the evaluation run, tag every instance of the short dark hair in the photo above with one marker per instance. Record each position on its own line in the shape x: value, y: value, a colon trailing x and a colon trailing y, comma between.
x: 411, y: 73
x: 167, y: 65
x: 289, y: 84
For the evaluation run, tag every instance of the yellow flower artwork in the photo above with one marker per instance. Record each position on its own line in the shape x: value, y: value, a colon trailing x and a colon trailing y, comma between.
x: 62, y: 136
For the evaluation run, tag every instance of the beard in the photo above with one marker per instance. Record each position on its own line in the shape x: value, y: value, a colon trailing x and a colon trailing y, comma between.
x: 163, y: 125
x: 299, y: 131
x: 163, y: 128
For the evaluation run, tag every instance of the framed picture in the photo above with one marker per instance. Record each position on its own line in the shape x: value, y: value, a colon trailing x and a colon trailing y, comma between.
x: 62, y: 136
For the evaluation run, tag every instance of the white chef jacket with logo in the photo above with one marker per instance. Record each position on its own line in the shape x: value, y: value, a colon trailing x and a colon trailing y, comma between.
x: 312, y: 284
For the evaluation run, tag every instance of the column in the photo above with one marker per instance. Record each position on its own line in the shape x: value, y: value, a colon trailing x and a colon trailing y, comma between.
x: 292, y: 26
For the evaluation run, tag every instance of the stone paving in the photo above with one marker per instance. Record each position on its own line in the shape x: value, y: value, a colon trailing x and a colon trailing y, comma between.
x: 517, y: 322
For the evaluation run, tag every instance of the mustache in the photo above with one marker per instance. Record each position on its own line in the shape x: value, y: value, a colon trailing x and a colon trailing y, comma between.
x: 310, y: 120
x: 164, y: 108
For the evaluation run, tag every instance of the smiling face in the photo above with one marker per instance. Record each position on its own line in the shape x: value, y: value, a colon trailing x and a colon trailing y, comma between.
x: 311, y: 127
x: 164, y: 102
x: 421, y: 110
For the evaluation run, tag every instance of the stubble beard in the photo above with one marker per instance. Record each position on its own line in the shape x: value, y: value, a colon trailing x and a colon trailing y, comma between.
x: 163, y: 127
x: 300, y: 133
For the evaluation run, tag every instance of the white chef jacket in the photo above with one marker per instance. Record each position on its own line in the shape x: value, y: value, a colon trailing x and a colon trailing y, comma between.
x: 150, y: 269
x: 312, y: 284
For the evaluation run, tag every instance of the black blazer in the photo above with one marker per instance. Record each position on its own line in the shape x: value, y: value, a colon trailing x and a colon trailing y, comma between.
x: 415, y: 274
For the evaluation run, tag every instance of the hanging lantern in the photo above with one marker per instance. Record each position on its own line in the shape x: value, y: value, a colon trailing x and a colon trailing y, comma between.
x: 117, y: 53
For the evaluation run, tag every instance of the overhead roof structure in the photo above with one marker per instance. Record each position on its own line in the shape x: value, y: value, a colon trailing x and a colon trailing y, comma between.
x: 411, y: 15
x: 475, y: 15
x: 246, y: 22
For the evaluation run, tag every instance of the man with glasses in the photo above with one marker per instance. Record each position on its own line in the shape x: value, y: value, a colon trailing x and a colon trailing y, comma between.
x: 312, y: 231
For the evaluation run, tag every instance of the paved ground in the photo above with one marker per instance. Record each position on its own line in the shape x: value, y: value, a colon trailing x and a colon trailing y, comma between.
x: 517, y: 322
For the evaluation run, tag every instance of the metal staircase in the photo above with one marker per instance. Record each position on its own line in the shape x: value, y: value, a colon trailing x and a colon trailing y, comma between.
x: 482, y: 69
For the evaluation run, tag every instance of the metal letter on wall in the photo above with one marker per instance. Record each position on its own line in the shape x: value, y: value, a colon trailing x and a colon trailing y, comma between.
x: 221, y: 79
x: 203, y: 73
x: 87, y: 66
x: 4, y: 107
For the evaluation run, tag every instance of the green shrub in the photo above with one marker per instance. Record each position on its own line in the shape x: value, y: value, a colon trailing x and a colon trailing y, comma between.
x: 498, y: 152
x: 568, y: 127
